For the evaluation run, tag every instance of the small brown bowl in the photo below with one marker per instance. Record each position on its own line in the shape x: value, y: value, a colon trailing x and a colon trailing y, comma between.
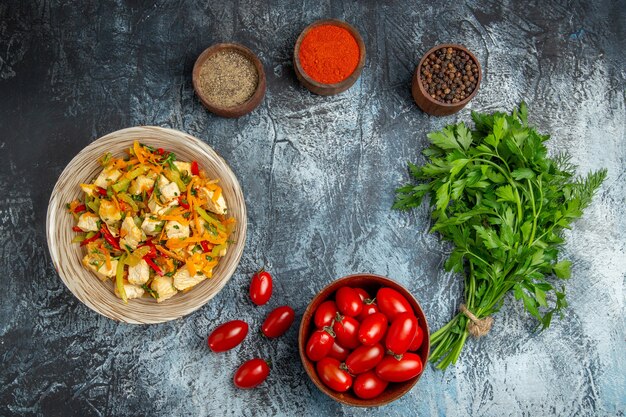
x: 371, y: 283
x: 241, y: 109
x: 429, y: 104
x: 321, y: 88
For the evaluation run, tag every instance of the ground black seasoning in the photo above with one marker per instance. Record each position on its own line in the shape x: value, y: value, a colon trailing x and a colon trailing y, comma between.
x: 449, y: 75
x: 228, y: 78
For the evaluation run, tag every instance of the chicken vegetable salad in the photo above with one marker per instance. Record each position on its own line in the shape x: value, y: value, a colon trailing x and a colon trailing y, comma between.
x: 153, y: 224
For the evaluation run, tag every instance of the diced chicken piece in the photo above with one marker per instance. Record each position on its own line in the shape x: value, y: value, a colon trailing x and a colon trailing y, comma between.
x: 89, y: 189
x: 163, y: 181
x: 169, y: 192
x: 132, y: 291
x: 218, y: 206
x: 99, y: 266
x: 157, y: 208
x: 163, y: 287
x: 151, y: 226
x: 140, y: 184
x: 130, y: 233
x: 176, y: 230
x: 88, y: 222
x: 109, y: 212
x: 139, y: 274
x: 183, y: 280
x: 183, y: 166
x: 107, y: 177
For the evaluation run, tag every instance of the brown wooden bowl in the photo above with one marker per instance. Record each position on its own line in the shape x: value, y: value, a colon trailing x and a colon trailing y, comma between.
x: 371, y: 283
x: 429, y: 104
x: 241, y: 109
x: 321, y: 88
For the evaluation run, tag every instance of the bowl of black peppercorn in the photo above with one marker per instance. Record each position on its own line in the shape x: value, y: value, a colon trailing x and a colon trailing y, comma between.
x: 446, y: 79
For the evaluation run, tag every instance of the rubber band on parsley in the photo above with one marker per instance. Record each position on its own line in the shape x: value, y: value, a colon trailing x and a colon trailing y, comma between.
x: 503, y: 203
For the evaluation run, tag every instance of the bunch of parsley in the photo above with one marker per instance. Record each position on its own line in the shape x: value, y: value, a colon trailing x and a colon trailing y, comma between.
x: 503, y: 203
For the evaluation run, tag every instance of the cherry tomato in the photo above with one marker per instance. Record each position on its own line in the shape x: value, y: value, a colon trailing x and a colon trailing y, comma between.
x: 399, y: 370
x: 278, y: 321
x: 349, y: 302
x: 391, y: 302
x: 329, y: 371
x: 338, y: 352
x: 362, y: 294
x: 401, y: 333
x: 372, y: 329
x: 369, y: 308
x: 325, y: 314
x: 346, y: 331
x: 261, y: 287
x: 417, y: 340
x: 251, y: 373
x: 228, y: 335
x: 364, y: 358
x: 320, y: 344
x: 368, y: 385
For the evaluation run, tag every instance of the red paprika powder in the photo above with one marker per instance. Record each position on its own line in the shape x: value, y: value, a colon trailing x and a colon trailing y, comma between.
x: 329, y: 54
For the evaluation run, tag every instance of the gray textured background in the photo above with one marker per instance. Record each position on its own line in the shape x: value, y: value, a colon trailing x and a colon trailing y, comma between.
x: 318, y: 174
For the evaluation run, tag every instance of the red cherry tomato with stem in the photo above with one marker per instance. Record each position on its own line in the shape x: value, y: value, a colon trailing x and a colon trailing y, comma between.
x: 338, y: 352
x: 364, y: 358
x: 391, y: 303
x: 325, y: 314
x: 401, y: 333
x: 278, y: 321
x: 417, y: 340
x: 372, y: 329
x: 362, y: 294
x: 348, y: 301
x: 227, y: 335
x: 367, y: 385
x: 251, y: 373
x: 369, y: 308
x: 320, y: 344
x: 346, y: 331
x: 392, y: 369
x: 329, y: 371
x: 261, y: 287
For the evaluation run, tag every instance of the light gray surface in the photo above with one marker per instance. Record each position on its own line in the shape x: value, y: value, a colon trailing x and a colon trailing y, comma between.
x: 318, y: 174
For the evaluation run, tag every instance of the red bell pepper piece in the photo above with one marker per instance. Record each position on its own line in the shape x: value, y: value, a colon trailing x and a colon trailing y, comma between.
x: 79, y: 208
x: 101, y: 191
x: 109, y: 238
x: 183, y: 203
x: 91, y: 239
x: 194, y: 168
x: 160, y: 151
x: 153, y: 265
x: 77, y: 229
x: 205, y: 246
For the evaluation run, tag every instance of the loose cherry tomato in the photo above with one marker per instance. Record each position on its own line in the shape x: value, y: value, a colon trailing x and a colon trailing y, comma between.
x: 369, y: 308
x: 401, y: 333
x: 399, y: 370
x: 338, y: 352
x: 362, y: 294
x: 391, y: 302
x: 228, y: 335
x: 325, y: 314
x: 278, y: 321
x: 320, y: 344
x: 349, y: 302
x: 364, y: 358
x: 368, y: 385
x: 346, y: 331
x: 417, y: 340
x: 329, y: 371
x: 251, y: 373
x: 261, y: 287
x: 373, y: 329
